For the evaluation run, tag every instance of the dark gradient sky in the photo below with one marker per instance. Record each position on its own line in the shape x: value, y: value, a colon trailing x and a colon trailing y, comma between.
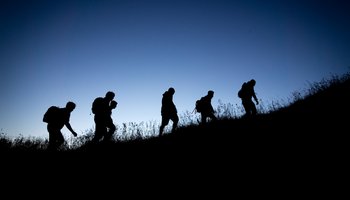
x: 52, y: 52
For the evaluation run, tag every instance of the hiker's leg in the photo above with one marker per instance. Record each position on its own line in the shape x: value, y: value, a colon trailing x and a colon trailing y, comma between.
x: 100, y: 129
x: 175, y: 120
x: 99, y: 132
x: 165, y: 121
x: 253, y: 109
x: 110, y: 132
x: 246, y: 107
x: 203, y: 118
x: 212, y: 117
x: 53, y: 137
x: 60, y: 138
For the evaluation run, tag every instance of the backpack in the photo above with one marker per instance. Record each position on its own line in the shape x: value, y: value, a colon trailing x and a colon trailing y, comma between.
x: 51, y: 114
x: 97, y: 105
x: 242, y: 91
x: 199, y: 105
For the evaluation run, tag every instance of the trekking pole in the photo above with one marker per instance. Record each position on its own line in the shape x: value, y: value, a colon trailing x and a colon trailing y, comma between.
x: 194, y: 111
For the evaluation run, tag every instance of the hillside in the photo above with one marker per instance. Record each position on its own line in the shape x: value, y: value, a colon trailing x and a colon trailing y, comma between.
x: 314, y: 127
x: 323, y: 110
x: 312, y: 122
x: 292, y: 149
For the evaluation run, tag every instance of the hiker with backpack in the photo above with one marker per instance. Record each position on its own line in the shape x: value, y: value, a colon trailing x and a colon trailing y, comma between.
x: 204, y: 107
x: 102, y: 108
x: 246, y: 93
x: 168, y: 110
x: 56, y: 118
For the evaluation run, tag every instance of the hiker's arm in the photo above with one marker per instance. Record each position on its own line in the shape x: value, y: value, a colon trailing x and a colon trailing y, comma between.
x: 70, y: 129
x: 212, y: 109
x: 255, y: 98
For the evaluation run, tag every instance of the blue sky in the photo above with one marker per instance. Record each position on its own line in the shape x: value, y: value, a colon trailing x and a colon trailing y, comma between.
x: 52, y: 52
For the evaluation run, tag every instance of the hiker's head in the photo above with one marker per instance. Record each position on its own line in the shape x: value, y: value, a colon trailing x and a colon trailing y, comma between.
x: 70, y: 106
x: 252, y: 82
x: 211, y: 93
x: 110, y: 95
x: 171, y: 90
x: 113, y: 104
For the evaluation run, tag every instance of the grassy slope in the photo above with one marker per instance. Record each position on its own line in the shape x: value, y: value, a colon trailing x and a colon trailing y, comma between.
x: 315, y: 117
x: 310, y: 128
x: 298, y: 150
x: 305, y: 137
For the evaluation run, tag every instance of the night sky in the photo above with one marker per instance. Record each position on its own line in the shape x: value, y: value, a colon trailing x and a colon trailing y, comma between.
x: 53, y: 51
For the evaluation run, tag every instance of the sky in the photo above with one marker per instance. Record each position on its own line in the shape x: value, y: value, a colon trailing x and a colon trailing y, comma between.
x: 53, y: 52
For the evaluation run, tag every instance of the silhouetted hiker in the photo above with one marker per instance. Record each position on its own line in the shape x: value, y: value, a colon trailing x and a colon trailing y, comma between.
x: 168, y: 110
x: 204, y: 107
x: 101, y: 107
x: 246, y: 93
x: 56, y: 118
